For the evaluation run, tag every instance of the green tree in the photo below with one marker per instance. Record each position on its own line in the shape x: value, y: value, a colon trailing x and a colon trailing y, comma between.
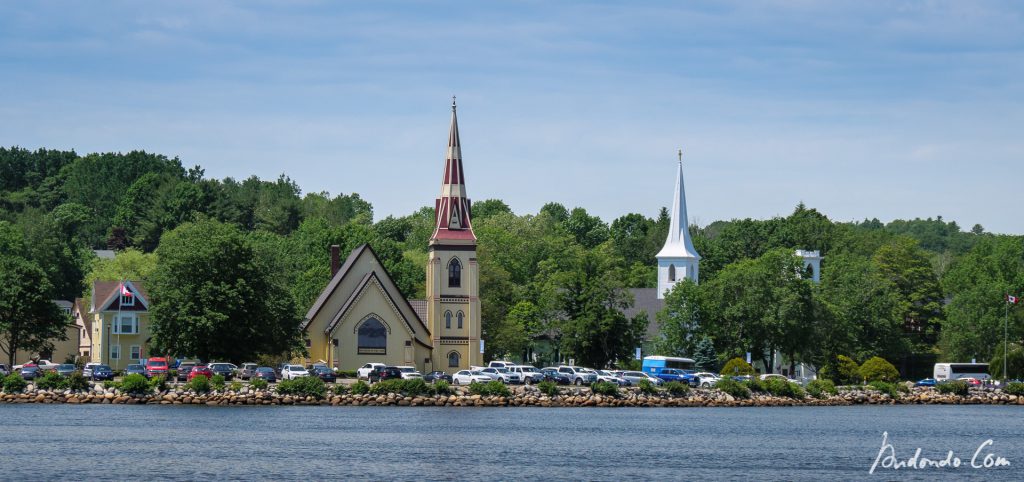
x: 704, y: 356
x: 680, y: 320
x: 29, y: 319
x: 130, y: 264
x: 214, y: 298
x: 489, y: 207
x: 907, y: 267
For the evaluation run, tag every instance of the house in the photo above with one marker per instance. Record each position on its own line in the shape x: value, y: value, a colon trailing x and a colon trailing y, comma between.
x: 119, y: 321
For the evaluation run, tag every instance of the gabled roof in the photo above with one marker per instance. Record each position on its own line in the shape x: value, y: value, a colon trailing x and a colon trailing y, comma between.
x: 646, y: 299
x: 371, y: 279
x: 420, y: 307
x: 103, y: 293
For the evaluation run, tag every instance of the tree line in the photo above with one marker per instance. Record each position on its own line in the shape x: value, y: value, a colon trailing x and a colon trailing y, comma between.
x: 552, y: 283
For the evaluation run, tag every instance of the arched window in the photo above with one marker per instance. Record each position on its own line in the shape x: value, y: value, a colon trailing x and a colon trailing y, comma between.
x: 453, y: 359
x: 810, y: 271
x: 448, y: 319
x: 454, y: 273
x: 671, y: 272
x: 373, y: 338
x: 460, y: 316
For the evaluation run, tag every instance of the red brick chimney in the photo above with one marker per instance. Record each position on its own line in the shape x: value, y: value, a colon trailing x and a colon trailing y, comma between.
x: 335, y: 259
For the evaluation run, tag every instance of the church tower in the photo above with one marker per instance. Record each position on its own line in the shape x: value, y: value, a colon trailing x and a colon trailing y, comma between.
x: 677, y: 260
x: 453, y: 279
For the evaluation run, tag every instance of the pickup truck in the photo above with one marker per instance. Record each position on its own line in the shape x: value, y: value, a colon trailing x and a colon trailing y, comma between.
x: 677, y: 375
x: 44, y: 365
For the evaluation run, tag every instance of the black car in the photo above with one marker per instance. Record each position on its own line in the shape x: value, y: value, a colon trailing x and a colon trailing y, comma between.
x: 102, y: 372
x: 31, y: 373
x: 552, y: 375
x: 437, y: 375
x: 223, y: 369
x: 136, y: 369
x: 265, y: 373
x: 183, y: 370
x: 385, y: 373
x: 323, y: 373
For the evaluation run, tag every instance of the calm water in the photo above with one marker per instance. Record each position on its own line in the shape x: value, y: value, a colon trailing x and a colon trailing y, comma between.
x: 65, y: 442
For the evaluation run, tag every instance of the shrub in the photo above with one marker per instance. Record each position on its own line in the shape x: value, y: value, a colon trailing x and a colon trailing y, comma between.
x: 492, y: 387
x: 217, y: 382
x: 755, y: 384
x: 158, y: 383
x: 135, y: 383
x: 172, y: 374
x: 677, y: 389
x: 878, y: 369
x: 13, y: 383
x: 199, y: 384
x: 605, y: 388
x: 844, y: 371
x: 303, y: 386
x: 413, y: 387
x: 258, y: 383
x: 112, y: 384
x: 783, y: 388
x: 736, y: 367
x: 49, y: 381
x: 236, y: 386
x: 821, y: 388
x: 646, y: 387
x: 1015, y: 388
x: 885, y: 387
x: 732, y: 387
x: 548, y: 388
x: 956, y: 387
x: 442, y: 387
x: 76, y: 381
x: 360, y: 387
x: 347, y: 374
x: 340, y: 389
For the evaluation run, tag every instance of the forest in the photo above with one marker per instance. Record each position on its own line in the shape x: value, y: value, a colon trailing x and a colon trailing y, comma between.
x: 911, y: 291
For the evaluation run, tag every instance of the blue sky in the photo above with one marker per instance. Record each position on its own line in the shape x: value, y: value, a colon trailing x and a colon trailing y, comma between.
x: 860, y: 109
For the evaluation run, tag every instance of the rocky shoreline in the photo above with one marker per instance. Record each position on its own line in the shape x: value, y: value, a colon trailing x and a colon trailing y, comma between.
x: 521, y: 397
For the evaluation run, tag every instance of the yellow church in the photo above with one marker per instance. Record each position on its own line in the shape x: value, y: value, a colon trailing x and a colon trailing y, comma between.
x: 361, y: 316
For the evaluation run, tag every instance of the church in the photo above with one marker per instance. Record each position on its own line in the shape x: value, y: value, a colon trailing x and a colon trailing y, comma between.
x: 362, y: 317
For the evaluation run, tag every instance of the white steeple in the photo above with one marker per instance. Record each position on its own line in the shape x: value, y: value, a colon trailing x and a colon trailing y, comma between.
x: 678, y: 259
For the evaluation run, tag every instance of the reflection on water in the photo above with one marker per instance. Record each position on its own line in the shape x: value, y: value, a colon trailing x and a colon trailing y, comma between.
x: 89, y: 442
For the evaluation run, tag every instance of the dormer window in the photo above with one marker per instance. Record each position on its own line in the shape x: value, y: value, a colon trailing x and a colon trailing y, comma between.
x: 127, y: 297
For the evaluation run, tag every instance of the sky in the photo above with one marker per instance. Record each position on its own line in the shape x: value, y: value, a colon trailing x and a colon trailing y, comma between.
x: 888, y: 110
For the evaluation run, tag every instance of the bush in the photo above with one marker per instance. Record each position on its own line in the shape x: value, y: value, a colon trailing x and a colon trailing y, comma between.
x: 878, y: 369
x: 49, y: 381
x: 732, y: 387
x: 360, y: 387
x: 413, y: 387
x: 347, y: 374
x: 303, y: 386
x: 548, y: 388
x: 821, y: 388
x: 158, y: 383
x: 217, y: 382
x: 885, y: 387
x: 235, y: 386
x: 442, y: 387
x: 677, y: 389
x: 736, y: 367
x: 258, y: 383
x: 112, y: 384
x: 340, y: 389
x: 199, y: 384
x: 13, y: 383
x: 1015, y: 388
x: 608, y: 389
x: 956, y: 387
x: 76, y: 381
x: 783, y: 388
x: 492, y: 387
x: 646, y: 387
x: 172, y: 374
x: 755, y: 384
x: 844, y: 371
x: 135, y: 383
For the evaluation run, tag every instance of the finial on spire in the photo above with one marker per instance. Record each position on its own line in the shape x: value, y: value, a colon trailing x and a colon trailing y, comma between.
x: 453, y: 103
x: 680, y: 156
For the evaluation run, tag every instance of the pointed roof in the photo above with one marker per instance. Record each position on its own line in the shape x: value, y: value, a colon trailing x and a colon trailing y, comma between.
x: 452, y: 218
x: 679, y: 244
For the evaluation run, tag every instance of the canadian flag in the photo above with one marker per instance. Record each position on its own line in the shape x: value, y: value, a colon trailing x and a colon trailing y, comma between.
x: 1012, y: 299
x: 126, y: 292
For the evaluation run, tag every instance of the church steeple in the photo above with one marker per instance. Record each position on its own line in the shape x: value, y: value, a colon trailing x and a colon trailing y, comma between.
x: 677, y: 259
x: 453, y: 220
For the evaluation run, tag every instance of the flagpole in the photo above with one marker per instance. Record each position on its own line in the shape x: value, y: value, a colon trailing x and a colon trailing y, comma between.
x: 1006, y: 320
x: 120, y: 355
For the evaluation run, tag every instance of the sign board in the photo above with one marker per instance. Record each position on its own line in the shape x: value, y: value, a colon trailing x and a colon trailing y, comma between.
x: 748, y: 357
x: 481, y: 346
x: 637, y: 353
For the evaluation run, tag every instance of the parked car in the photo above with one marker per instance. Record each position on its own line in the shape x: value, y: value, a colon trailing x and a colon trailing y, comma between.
x: 156, y: 366
x: 706, y: 379
x: 776, y: 376
x: 324, y: 373
x: 87, y: 369
x: 437, y: 376
x: 465, y: 377
x: 65, y: 369
x: 363, y: 373
x: 551, y: 375
x: 200, y: 370
x: 409, y: 373
x: 247, y: 370
x: 634, y: 377
x: 31, y: 372
x: 500, y: 364
x: 972, y: 382
x: 135, y: 369
x: 677, y: 375
x: 578, y: 375
x: 101, y: 372
x: 223, y: 369
x: 42, y: 364
x: 184, y: 368
x: 925, y: 382
x: 504, y: 374
x: 266, y: 374
x: 385, y: 373
x: 607, y: 376
x: 291, y: 372
x: 4, y: 371
x: 528, y: 373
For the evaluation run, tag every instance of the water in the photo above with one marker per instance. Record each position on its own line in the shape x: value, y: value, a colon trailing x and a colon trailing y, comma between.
x: 93, y: 442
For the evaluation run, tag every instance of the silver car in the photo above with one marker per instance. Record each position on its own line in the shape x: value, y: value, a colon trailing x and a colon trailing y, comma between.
x: 635, y: 377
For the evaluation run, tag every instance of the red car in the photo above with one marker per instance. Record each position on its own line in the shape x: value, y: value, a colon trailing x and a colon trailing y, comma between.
x: 156, y: 366
x: 200, y: 370
x: 974, y: 382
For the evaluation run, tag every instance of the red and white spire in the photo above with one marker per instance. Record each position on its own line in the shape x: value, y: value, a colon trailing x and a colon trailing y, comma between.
x: 452, y: 218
